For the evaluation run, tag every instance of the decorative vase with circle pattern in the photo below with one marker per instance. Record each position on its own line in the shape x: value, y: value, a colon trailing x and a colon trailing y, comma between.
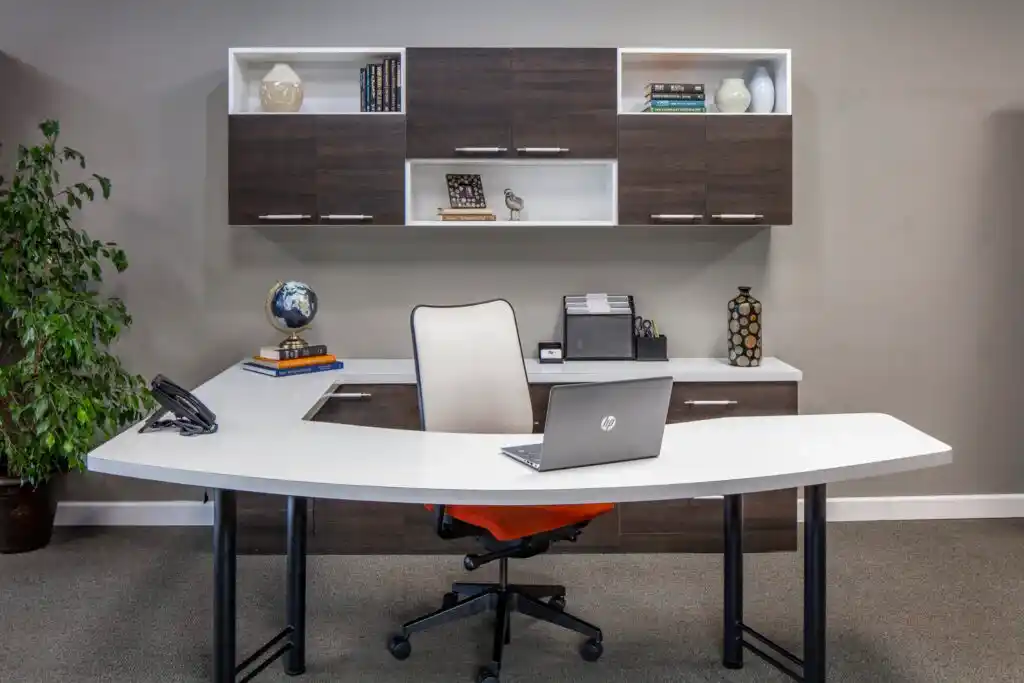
x: 745, y: 330
x: 281, y: 90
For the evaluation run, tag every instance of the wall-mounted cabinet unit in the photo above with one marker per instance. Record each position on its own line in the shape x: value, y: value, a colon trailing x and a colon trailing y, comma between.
x: 564, y: 128
x: 556, y: 192
x: 330, y: 77
x: 332, y: 170
x: 511, y: 102
x: 697, y: 169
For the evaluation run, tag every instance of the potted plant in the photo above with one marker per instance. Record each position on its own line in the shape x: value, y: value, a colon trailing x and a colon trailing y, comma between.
x: 61, y: 390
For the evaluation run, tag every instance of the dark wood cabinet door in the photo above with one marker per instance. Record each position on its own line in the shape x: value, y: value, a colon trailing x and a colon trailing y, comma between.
x: 271, y: 169
x: 662, y: 169
x: 457, y: 102
x: 360, y: 169
x: 565, y: 102
x: 750, y: 169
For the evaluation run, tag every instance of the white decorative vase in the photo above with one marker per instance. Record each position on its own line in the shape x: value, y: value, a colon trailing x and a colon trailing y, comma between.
x: 281, y: 90
x: 762, y: 92
x: 732, y: 96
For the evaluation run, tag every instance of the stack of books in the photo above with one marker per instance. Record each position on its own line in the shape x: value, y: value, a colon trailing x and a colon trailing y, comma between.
x: 277, y: 362
x: 677, y: 98
x: 380, y: 86
x: 466, y: 214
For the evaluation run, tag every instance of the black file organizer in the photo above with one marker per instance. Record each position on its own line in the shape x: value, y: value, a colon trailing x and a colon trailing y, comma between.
x: 598, y: 337
x: 652, y: 348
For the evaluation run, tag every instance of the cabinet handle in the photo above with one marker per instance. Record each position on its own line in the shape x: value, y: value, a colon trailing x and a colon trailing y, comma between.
x: 480, y: 150
x: 677, y: 216
x: 542, y: 150
x: 346, y: 217
x: 285, y: 217
x: 724, y: 402
x: 738, y: 216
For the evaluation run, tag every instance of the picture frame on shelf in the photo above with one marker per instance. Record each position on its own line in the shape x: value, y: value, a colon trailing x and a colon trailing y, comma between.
x: 466, y: 191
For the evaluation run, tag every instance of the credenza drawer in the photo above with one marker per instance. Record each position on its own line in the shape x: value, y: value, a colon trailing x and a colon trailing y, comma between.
x: 702, y: 401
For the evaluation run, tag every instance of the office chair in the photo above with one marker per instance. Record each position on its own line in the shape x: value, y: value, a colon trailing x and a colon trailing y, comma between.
x: 472, y: 379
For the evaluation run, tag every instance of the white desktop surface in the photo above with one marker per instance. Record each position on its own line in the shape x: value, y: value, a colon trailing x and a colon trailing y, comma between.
x: 264, y: 445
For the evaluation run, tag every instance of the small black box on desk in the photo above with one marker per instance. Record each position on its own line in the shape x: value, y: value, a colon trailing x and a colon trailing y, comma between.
x: 652, y: 348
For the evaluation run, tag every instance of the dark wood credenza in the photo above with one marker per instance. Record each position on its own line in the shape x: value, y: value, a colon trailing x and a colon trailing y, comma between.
x: 345, y: 527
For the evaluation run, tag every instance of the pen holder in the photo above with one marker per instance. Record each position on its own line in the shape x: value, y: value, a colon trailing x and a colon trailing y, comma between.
x: 652, y: 348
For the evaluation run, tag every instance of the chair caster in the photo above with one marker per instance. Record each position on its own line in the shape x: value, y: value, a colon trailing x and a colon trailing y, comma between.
x: 487, y: 675
x: 557, y: 602
x: 399, y: 647
x: 591, y: 650
x: 449, y: 600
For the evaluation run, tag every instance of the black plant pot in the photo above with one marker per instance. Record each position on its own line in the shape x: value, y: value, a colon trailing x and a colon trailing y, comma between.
x: 26, y: 515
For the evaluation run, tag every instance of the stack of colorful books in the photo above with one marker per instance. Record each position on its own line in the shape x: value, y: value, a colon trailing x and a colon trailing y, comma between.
x: 380, y: 86
x: 466, y: 214
x: 676, y: 98
x: 277, y: 362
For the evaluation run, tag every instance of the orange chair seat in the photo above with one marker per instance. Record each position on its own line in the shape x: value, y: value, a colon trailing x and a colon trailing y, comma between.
x: 510, y: 523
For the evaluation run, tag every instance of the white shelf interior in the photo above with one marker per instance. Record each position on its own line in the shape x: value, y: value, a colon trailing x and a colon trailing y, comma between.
x: 556, y: 192
x: 640, y: 66
x: 330, y: 76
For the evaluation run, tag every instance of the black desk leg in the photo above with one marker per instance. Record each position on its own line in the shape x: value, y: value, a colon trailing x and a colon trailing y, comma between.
x: 732, y: 650
x: 814, y: 583
x: 224, y: 574
x: 295, y: 658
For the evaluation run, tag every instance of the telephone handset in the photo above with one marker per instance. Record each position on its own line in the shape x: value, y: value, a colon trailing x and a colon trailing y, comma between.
x: 191, y: 417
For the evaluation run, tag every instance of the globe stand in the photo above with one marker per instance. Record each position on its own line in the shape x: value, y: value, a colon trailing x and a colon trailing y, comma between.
x: 293, y: 341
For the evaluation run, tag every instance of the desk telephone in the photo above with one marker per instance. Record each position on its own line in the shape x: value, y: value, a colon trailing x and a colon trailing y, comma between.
x: 191, y: 417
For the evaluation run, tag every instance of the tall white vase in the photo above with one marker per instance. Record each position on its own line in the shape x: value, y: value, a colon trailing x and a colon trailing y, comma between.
x: 762, y: 92
x: 732, y: 96
x: 281, y: 90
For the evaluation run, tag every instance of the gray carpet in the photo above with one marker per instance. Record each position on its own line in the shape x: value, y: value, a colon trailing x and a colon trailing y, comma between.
x: 923, y: 602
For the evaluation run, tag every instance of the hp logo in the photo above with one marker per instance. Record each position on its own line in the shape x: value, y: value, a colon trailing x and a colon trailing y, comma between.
x: 607, y: 423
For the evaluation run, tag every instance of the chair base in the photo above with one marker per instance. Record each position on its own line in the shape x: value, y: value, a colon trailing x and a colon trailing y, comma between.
x: 545, y: 603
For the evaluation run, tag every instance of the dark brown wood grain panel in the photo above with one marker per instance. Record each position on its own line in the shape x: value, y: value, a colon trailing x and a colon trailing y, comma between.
x: 750, y: 167
x: 360, y: 169
x: 567, y: 98
x: 271, y: 167
x: 662, y: 168
x: 457, y: 97
x: 389, y: 405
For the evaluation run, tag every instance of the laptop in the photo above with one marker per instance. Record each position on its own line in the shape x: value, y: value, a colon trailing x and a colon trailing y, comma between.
x: 599, y: 422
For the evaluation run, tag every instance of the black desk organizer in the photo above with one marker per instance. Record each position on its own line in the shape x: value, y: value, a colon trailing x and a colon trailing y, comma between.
x: 652, y: 348
x: 598, y: 336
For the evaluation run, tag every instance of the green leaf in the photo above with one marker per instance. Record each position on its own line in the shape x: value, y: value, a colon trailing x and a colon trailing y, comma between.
x: 86, y: 190
x: 83, y: 417
x: 50, y: 440
x: 50, y: 128
x: 104, y: 185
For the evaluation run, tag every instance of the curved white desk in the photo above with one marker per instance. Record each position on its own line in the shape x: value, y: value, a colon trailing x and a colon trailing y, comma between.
x: 265, y: 445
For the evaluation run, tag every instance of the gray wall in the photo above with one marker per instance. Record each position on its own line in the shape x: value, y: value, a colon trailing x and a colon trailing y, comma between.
x: 893, y: 290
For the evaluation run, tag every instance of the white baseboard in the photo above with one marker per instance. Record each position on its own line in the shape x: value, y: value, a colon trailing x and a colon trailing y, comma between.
x: 890, y: 508
x: 135, y: 513
x: 895, y: 508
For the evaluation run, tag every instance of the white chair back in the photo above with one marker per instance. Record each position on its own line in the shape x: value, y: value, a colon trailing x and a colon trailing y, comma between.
x: 470, y: 370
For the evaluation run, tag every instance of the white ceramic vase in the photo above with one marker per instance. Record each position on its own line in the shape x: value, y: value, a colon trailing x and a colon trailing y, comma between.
x: 732, y: 96
x: 281, y: 90
x: 762, y: 92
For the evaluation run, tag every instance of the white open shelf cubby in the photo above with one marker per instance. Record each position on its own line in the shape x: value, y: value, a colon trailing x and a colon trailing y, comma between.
x: 330, y: 76
x: 640, y: 66
x: 556, y: 192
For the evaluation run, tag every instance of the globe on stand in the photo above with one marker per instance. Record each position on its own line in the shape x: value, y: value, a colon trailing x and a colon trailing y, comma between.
x: 291, y: 307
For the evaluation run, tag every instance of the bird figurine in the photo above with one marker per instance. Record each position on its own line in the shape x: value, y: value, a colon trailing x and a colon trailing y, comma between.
x: 514, y: 204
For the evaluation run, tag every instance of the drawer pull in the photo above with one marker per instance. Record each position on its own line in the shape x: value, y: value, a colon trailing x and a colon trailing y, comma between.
x: 346, y: 217
x: 542, y: 150
x: 677, y: 216
x: 738, y: 216
x: 285, y: 217
x: 723, y: 402
x: 480, y: 150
